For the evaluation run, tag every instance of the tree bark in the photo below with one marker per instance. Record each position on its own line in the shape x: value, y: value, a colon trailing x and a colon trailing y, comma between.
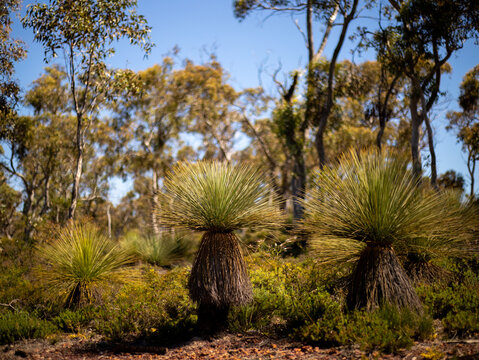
x: 298, y: 185
x: 154, y: 203
x: 325, y: 110
x: 430, y: 140
x: 26, y: 211
x: 471, y: 168
x: 80, y: 146
x: 108, y: 216
x: 415, y: 132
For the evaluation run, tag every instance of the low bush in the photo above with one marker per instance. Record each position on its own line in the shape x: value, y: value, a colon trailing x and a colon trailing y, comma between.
x: 75, y: 321
x: 387, y: 329
x: 457, y: 305
x: 23, y: 325
x: 156, y: 306
x: 301, y: 300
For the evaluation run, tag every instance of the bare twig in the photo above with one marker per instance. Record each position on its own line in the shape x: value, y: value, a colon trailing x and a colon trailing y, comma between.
x: 10, y: 304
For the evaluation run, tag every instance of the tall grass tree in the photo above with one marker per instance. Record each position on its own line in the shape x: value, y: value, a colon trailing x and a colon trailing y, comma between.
x: 367, y: 209
x: 218, y: 198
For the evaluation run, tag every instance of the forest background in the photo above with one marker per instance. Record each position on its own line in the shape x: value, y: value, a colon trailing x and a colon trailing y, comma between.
x: 253, y: 61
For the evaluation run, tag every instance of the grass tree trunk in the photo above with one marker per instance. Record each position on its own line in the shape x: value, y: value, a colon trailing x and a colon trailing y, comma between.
x: 380, y: 278
x: 218, y: 280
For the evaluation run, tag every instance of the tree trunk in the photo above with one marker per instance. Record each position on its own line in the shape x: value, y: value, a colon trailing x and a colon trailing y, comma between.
x: 382, y: 126
x: 319, y: 141
x: 212, y: 319
x: 415, y: 135
x: 471, y: 168
x: 325, y: 111
x: 46, y: 203
x: 78, y: 168
x: 108, y: 216
x: 298, y: 186
x: 430, y: 140
x: 218, y: 279
x: 379, y: 278
x: 154, y: 203
x: 26, y: 211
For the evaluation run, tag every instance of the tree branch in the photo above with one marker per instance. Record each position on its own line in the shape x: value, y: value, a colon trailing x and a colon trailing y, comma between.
x: 329, y: 26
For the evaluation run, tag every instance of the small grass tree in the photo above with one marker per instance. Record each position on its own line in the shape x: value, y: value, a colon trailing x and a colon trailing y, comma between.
x: 365, y: 210
x: 79, y: 260
x: 217, y: 199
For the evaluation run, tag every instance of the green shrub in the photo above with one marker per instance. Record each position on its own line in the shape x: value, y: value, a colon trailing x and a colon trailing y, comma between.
x: 387, y: 329
x: 17, y: 282
x: 288, y: 298
x: 157, y: 306
x: 23, y: 325
x: 317, y: 318
x: 456, y: 305
x: 74, y: 321
x: 270, y: 299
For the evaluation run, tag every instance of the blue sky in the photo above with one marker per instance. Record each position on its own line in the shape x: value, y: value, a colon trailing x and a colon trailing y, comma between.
x: 202, y: 27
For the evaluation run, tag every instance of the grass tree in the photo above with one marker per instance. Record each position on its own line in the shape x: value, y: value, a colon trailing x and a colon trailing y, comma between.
x: 79, y: 260
x: 217, y: 199
x: 162, y: 249
x: 368, y: 208
x: 423, y: 256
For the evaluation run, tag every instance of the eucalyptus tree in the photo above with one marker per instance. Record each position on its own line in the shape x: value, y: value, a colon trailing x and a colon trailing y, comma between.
x: 419, y: 44
x: 9, y: 201
x: 466, y: 122
x: 319, y: 100
x: 267, y: 148
x: 147, y: 128
x: 84, y: 31
x: 207, y: 102
x: 11, y: 51
x: 384, y: 95
x: 38, y: 149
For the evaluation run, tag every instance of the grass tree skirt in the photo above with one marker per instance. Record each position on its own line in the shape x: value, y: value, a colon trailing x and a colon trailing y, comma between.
x: 218, y: 279
x: 380, y: 278
x: 425, y: 272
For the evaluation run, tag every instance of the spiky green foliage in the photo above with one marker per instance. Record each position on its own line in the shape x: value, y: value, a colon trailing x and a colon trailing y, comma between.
x: 79, y: 259
x: 219, y: 197
x: 368, y: 209
x: 161, y: 250
x: 373, y: 199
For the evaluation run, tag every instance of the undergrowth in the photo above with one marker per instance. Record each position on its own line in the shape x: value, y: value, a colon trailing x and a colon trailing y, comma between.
x: 292, y: 297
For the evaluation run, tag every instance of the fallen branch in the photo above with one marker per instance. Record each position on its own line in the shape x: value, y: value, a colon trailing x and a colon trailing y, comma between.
x: 10, y: 305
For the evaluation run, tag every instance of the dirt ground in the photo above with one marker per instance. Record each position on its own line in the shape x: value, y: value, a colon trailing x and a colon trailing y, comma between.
x: 227, y: 346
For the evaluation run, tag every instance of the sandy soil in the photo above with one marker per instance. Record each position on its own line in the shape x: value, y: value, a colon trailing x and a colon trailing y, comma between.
x: 226, y: 346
